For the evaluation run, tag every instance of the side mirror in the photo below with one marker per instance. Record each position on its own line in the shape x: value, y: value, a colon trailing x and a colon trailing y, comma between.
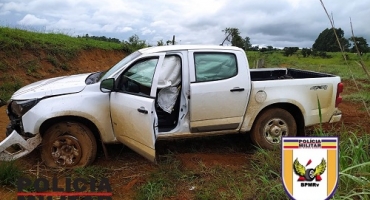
x: 107, y: 85
x: 2, y: 102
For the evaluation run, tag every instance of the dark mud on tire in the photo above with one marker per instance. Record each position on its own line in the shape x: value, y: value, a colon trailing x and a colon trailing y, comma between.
x: 68, y: 145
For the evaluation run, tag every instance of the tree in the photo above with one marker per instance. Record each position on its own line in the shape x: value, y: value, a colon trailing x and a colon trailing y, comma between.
x: 263, y: 49
x: 270, y: 48
x: 327, y: 41
x: 306, y: 52
x: 134, y: 43
x: 168, y: 42
x: 233, y: 36
x: 101, y: 38
x: 255, y: 48
x: 160, y: 43
x: 247, y: 43
x: 288, y: 51
x: 362, y: 45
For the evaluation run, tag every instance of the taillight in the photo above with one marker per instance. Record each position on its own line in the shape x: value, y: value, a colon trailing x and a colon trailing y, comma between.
x: 338, y: 99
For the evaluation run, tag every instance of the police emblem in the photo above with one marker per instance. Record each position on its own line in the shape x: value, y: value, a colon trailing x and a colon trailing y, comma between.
x: 318, y: 178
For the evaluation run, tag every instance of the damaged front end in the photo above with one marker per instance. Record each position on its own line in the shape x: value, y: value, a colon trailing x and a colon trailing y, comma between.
x: 18, y: 143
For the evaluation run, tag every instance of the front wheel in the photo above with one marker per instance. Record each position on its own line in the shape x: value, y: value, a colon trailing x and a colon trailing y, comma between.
x: 270, y: 126
x: 68, y: 145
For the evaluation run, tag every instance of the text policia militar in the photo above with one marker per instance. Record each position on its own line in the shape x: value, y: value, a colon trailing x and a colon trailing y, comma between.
x: 67, y: 189
x: 315, y: 143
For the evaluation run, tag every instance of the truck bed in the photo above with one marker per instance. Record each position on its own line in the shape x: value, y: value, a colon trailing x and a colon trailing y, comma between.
x: 284, y: 73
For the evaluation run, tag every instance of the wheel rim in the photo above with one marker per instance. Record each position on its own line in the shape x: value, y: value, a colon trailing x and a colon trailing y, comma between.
x: 66, y: 151
x: 312, y: 174
x: 274, y: 130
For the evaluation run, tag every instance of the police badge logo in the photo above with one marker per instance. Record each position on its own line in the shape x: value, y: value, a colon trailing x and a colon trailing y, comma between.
x: 309, y: 174
x: 310, y: 167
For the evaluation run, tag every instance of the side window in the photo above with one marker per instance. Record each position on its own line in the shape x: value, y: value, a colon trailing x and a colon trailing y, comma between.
x: 138, y: 78
x: 214, y: 66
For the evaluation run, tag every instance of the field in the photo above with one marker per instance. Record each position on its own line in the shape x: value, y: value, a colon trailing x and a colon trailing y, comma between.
x: 220, y: 167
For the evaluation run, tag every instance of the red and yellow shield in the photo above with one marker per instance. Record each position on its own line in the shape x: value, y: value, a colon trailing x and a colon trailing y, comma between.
x: 310, y: 167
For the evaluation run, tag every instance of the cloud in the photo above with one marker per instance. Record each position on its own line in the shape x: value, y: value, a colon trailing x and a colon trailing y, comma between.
x: 32, y: 20
x: 146, y: 31
x: 278, y: 23
x: 124, y: 29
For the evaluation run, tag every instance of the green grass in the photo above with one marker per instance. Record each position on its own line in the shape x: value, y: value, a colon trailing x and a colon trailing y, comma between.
x: 57, y: 64
x: 259, y: 179
x: 96, y: 172
x: 10, y: 85
x: 31, y: 67
x: 217, y: 182
x: 265, y: 173
x: 354, y: 160
x: 9, y: 173
x: 358, y: 97
x: 14, y: 39
x: 3, y: 66
x: 163, y: 183
x: 334, y: 65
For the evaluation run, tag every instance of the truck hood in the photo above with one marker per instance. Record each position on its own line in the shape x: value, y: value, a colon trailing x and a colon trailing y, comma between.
x: 52, y: 86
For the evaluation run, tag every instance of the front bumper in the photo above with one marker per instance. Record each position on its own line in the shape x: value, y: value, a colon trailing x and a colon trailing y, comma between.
x: 15, y: 146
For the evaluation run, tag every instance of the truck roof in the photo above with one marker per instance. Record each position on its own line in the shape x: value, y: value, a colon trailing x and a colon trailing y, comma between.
x: 157, y: 49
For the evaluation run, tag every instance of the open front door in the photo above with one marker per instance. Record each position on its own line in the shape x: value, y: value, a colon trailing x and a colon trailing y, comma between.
x: 132, y: 106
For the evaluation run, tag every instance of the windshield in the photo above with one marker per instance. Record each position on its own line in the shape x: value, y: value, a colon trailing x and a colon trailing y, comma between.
x: 119, y: 65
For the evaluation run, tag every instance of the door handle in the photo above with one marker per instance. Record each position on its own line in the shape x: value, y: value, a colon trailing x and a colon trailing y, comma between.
x: 142, y: 110
x: 237, y: 89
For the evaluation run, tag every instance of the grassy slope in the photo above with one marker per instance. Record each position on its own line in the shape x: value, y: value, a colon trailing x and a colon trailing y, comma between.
x: 27, y: 52
x: 16, y: 39
x: 258, y: 179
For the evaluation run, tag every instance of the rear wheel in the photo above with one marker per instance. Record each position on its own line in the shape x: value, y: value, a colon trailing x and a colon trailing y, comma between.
x: 270, y: 126
x: 68, y: 145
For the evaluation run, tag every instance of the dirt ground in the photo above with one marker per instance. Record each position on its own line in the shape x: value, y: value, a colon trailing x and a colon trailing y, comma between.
x: 128, y: 169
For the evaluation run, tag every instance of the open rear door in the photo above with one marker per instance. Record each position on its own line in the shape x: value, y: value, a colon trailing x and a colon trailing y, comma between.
x: 132, y: 106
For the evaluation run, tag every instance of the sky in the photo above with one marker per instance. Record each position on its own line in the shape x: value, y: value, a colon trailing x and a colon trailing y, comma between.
x: 277, y: 23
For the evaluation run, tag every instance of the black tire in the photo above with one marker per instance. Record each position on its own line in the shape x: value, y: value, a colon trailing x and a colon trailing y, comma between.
x: 68, y: 145
x: 270, y: 126
x: 309, y: 174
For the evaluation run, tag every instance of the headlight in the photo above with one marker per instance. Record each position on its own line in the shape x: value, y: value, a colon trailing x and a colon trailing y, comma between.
x: 19, y: 108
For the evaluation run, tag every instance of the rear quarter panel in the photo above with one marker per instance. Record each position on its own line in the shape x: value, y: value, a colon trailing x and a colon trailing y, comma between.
x: 303, y: 93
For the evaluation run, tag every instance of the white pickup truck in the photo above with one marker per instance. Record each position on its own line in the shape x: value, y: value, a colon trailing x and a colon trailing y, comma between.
x: 163, y: 93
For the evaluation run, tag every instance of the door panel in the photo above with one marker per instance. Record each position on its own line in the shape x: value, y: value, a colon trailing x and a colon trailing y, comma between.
x: 132, y: 108
x: 134, y: 122
x: 219, y: 92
